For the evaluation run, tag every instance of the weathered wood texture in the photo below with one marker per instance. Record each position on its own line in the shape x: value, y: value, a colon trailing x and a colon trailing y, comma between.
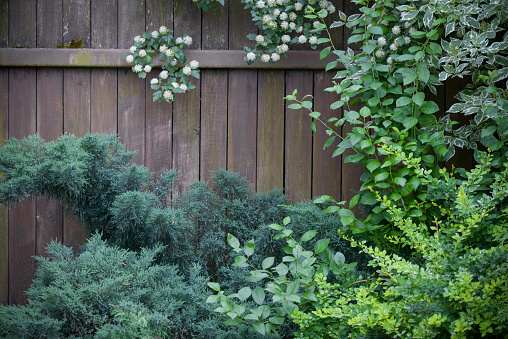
x: 235, y: 119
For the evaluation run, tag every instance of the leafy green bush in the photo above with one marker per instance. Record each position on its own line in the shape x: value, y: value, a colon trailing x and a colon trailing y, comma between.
x: 456, y: 287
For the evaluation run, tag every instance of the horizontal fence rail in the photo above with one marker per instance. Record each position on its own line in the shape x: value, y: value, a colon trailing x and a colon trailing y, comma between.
x: 231, y: 59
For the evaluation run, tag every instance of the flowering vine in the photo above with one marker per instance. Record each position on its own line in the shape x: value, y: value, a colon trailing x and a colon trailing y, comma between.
x: 174, y: 77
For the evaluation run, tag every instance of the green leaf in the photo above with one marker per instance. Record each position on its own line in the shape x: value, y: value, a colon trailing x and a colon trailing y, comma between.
x: 321, y: 245
x: 418, y: 98
x: 295, y: 106
x: 307, y: 104
x: 372, y: 165
x: 365, y: 111
x: 259, y: 327
x: 324, y: 53
x: 286, y: 221
x: 381, y: 176
x: 251, y: 316
x: 346, y: 216
x: 248, y: 249
x: 351, y: 115
x: 337, y: 104
x: 403, y: 101
x: 424, y: 74
x: 409, y: 122
x: 308, y: 235
x: 213, y: 299
x: 430, y: 107
x: 409, y: 79
x: 354, y: 200
x: 369, y: 199
x: 400, y: 181
x: 488, y: 131
x: 277, y: 320
x: 276, y: 227
x: 373, y: 101
x: 331, y: 65
x: 214, y: 286
x: 267, y: 262
x: 244, y: 293
x: 258, y: 295
x: 282, y: 269
x: 233, y: 241
x: 375, y: 30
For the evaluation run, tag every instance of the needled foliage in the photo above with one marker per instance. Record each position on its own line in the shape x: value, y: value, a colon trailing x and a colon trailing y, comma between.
x: 108, y: 292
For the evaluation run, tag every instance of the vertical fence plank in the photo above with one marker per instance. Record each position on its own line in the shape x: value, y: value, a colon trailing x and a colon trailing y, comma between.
x: 76, y: 21
x: 104, y: 81
x: 298, y: 148
x: 213, y: 121
x: 76, y: 25
x: 270, y: 138
x: 214, y: 96
x: 49, y: 23
x: 131, y: 89
x: 50, y: 127
x: 104, y: 24
x: 22, y: 22
x: 215, y: 28
x: 77, y: 122
x: 4, y: 23
x: 49, y: 115
x: 159, y: 116
x: 242, y: 121
x: 187, y: 106
x: 242, y: 100
x: 4, y: 212
x: 22, y: 123
x: 326, y: 171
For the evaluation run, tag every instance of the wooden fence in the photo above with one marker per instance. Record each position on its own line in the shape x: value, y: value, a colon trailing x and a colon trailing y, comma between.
x: 234, y: 119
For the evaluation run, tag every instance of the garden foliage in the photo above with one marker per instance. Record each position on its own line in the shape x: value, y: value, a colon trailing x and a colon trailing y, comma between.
x: 135, y: 212
x: 436, y: 238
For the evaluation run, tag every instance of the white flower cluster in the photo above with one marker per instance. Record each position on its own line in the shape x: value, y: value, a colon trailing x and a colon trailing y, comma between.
x: 173, y: 78
x: 283, y: 23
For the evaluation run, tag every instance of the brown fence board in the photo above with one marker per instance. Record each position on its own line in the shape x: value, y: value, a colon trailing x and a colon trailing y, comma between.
x: 22, y: 123
x: 215, y: 28
x: 298, y: 146
x: 214, y: 94
x: 50, y: 127
x: 270, y: 130
x: 49, y: 23
x: 186, y: 131
x: 326, y: 171
x: 22, y: 30
x: 242, y: 112
x: 76, y: 21
x: 187, y: 106
x: 104, y: 24
x: 4, y: 212
x: 213, y: 121
x: 131, y: 113
x: 159, y: 117
x: 131, y: 89
x: 4, y: 23
x: 131, y: 21
x: 103, y: 96
x: 77, y: 122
